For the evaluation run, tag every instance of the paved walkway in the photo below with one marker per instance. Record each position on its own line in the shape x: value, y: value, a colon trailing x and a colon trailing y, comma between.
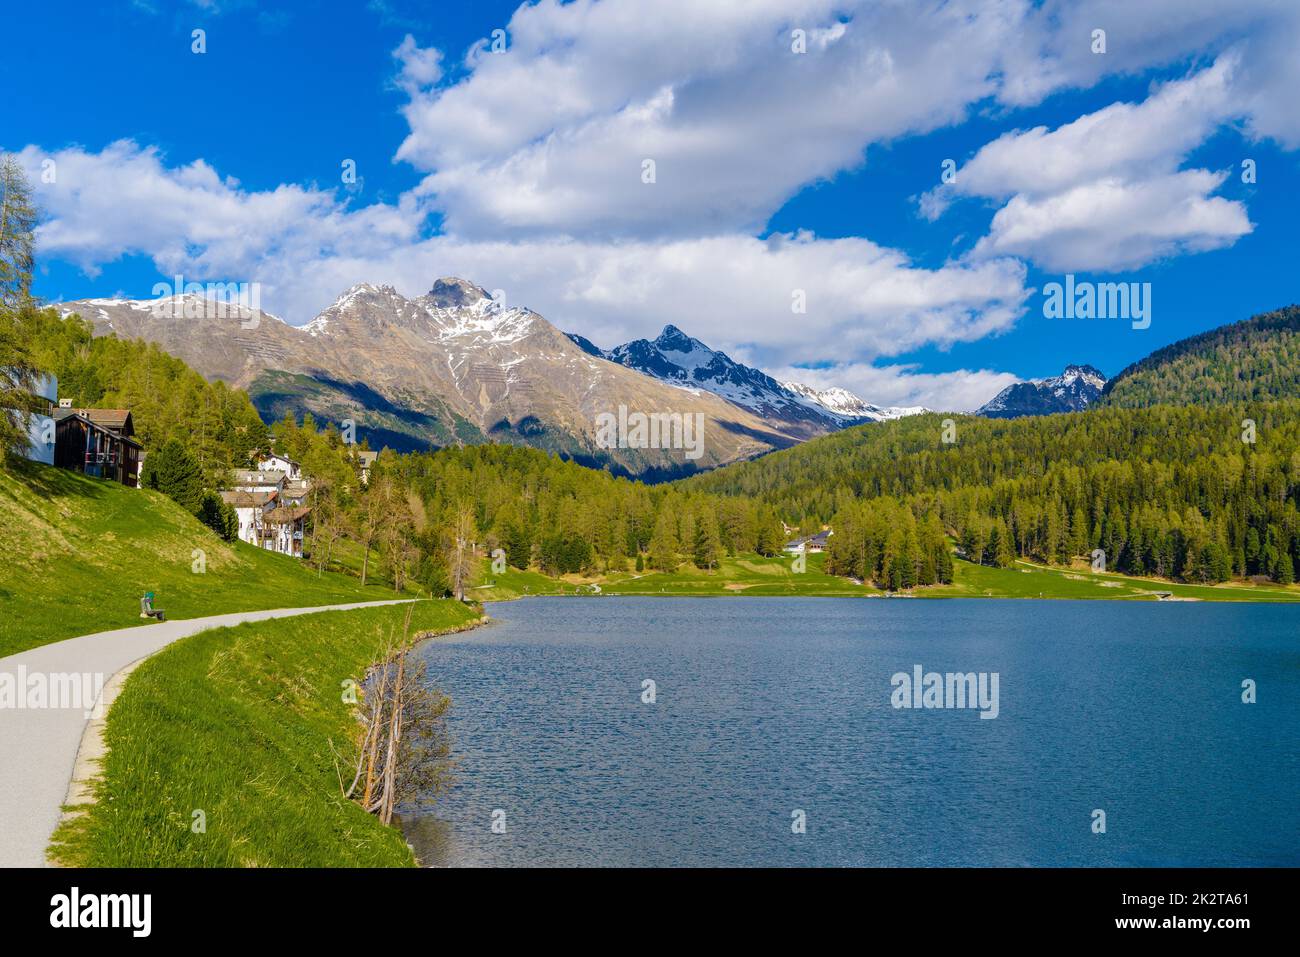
x: 38, y: 747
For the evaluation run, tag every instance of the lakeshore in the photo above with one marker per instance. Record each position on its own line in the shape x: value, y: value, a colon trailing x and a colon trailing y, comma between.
x: 243, y: 770
x: 753, y: 575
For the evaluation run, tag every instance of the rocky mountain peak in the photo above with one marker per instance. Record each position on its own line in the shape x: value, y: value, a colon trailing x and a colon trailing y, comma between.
x: 1078, y: 387
x: 673, y: 339
x: 451, y: 292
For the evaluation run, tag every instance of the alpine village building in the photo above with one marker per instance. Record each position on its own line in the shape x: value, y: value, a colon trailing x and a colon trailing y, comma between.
x: 270, y: 501
x: 98, y: 442
x: 271, y: 504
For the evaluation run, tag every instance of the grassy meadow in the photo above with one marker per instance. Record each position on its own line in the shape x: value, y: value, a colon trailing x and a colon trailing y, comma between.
x: 241, y: 724
x: 756, y: 575
x: 79, y: 552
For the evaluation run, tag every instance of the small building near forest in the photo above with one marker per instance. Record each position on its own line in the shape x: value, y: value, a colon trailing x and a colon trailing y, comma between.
x: 275, y: 462
x: 98, y: 442
x: 266, y: 521
x: 365, y: 459
x: 258, y: 480
x: 251, y: 509
x: 812, y: 545
x: 284, y: 529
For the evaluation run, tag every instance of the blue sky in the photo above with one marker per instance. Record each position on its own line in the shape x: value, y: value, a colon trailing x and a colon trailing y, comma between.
x: 777, y: 171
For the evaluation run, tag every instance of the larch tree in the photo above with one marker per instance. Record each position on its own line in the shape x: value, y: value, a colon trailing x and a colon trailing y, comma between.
x: 18, y: 372
x: 17, y: 233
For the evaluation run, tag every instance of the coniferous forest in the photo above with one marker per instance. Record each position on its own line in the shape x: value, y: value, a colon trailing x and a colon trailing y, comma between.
x: 1194, y: 493
x: 1255, y: 360
x: 1198, y: 493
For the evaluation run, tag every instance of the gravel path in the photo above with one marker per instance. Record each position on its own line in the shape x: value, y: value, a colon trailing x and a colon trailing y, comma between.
x: 38, y: 746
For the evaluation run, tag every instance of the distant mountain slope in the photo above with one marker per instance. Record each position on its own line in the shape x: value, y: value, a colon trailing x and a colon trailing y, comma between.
x: 448, y: 367
x: 1073, y: 390
x: 848, y: 407
x: 800, y: 410
x: 681, y: 360
x: 1254, y: 360
x: 1169, y: 491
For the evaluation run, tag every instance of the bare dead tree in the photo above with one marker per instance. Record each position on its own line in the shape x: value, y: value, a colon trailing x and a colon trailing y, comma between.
x: 405, y: 750
x: 460, y: 550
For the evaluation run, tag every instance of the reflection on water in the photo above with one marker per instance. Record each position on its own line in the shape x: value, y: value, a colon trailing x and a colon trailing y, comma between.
x: 431, y: 837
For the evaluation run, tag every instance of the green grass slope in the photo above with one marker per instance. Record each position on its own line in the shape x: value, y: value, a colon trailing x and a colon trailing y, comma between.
x: 240, y: 723
x: 1030, y: 580
x: 745, y: 574
x: 79, y: 552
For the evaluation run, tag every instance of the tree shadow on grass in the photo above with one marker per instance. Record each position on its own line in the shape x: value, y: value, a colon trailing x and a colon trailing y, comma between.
x: 50, y: 482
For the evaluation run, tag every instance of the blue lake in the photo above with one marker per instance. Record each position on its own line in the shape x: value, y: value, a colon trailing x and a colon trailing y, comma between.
x: 768, y: 708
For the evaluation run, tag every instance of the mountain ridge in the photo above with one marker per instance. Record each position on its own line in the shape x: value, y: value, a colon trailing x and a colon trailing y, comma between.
x: 1254, y: 359
x: 452, y: 366
x: 682, y: 360
x: 1078, y: 387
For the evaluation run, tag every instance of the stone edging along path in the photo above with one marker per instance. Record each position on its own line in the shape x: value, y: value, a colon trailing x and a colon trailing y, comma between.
x: 47, y: 755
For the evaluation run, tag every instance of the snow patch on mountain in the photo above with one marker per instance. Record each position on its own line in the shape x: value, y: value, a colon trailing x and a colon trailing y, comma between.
x: 849, y: 407
x: 687, y: 362
x: 187, y: 305
x: 1074, y: 390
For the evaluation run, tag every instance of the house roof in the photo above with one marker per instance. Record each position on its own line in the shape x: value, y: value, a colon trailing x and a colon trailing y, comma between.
x: 819, y: 539
x: 248, y: 499
x: 80, y: 415
x: 283, y: 515
x: 258, y: 477
x: 119, y: 420
x: 280, y: 456
x: 367, y: 457
x: 297, y: 487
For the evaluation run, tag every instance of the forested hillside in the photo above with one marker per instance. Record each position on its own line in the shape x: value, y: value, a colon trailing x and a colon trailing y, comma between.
x: 168, y: 400
x: 1168, y: 491
x: 567, y: 518
x: 1256, y: 360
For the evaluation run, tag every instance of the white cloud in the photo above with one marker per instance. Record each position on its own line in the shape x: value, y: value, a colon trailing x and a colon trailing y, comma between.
x: 734, y: 120
x: 1126, y: 140
x: 125, y: 200
x: 420, y: 68
x: 736, y: 292
x: 1056, y: 50
x: 1110, y: 225
x: 963, y: 390
x: 1103, y: 192
x: 304, y: 247
x: 736, y: 123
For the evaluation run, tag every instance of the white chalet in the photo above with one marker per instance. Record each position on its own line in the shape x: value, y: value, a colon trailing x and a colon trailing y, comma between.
x: 276, y: 462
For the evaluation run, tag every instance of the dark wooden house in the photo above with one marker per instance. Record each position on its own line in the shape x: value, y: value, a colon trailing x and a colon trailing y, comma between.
x: 98, y: 442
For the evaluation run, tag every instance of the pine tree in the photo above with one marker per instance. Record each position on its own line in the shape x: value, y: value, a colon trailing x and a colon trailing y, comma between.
x: 1004, y: 555
x: 663, y: 543
x: 173, y: 471
x: 708, y: 544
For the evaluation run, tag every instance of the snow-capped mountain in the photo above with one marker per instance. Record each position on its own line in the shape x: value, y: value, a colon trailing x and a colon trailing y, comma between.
x: 454, y: 365
x: 849, y: 407
x: 447, y: 367
x: 682, y: 360
x: 1073, y: 390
